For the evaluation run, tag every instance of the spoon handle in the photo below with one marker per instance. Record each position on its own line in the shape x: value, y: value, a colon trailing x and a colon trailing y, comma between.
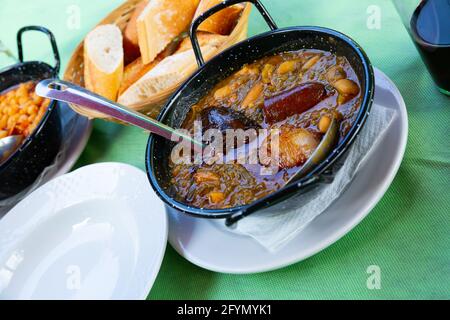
x: 68, y: 92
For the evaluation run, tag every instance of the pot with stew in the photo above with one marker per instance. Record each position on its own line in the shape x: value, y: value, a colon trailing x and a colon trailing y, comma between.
x: 296, y: 82
x: 26, y: 115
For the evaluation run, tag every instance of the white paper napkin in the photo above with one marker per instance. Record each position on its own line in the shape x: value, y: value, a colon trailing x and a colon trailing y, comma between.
x: 274, y: 227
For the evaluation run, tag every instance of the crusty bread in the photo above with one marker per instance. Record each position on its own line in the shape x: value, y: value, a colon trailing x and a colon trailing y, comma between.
x: 221, y: 22
x: 204, y: 38
x: 165, y: 74
x: 103, y: 60
x: 130, y: 34
x: 136, y: 69
x: 160, y: 22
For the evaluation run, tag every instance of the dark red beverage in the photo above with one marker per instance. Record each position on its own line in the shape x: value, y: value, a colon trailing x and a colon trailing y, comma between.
x: 430, y: 27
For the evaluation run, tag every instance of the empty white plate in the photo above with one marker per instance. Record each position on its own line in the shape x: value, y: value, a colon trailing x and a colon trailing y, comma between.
x: 99, y: 232
x: 209, y: 245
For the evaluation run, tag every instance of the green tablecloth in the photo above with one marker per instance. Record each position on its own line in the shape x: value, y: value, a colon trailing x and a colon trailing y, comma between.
x: 407, y: 234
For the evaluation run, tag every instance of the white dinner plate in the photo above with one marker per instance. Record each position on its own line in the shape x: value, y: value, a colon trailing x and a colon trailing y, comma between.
x: 210, y: 246
x: 99, y: 232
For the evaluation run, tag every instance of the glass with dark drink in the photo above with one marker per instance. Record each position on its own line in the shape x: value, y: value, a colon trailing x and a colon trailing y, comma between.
x: 428, y: 22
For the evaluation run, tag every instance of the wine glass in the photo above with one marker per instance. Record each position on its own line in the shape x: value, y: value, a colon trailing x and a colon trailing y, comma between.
x: 428, y: 23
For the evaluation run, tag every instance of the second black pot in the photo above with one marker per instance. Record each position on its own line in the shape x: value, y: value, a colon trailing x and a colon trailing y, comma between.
x: 39, y: 150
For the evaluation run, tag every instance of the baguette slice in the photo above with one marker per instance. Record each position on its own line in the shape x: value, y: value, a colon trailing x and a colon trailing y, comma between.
x: 130, y: 34
x: 136, y: 69
x: 169, y: 72
x: 103, y: 60
x: 204, y: 39
x: 160, y: 22
x: 221, y: 22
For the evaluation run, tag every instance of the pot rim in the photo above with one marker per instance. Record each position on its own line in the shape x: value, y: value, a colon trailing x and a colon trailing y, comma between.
x: 294, y: 187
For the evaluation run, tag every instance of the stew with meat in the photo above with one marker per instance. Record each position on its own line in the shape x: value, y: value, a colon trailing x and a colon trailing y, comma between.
x: 298, y: 93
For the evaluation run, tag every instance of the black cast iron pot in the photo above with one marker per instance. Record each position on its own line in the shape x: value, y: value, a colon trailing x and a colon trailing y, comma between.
x: 210, y: 73
x: 40, y: 148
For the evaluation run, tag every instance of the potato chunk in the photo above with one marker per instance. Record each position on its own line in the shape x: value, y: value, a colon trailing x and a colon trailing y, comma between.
x: 295, y: 146
x: 206, y: 177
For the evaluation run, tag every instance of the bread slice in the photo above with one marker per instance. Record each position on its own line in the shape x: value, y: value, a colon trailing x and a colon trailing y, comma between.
x: 221, y: 22
x: 160, y: 22
x: 169, y: 72
x: 136, y: 69
x: 204, y: 39
x: 103, y: 60
x: 130, y: 34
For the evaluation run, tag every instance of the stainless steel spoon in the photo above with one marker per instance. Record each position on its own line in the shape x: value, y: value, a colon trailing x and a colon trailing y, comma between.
x: 71, y: 93
x: 8, y: 145
x: 68, y: 92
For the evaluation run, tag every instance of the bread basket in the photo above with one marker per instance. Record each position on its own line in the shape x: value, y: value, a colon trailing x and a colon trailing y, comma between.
x: 120, y: 16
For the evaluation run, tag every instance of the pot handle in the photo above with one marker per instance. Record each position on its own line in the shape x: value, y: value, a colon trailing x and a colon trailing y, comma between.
x: 52, y: 41
x: 225, y: 4
x: 303, y: 186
